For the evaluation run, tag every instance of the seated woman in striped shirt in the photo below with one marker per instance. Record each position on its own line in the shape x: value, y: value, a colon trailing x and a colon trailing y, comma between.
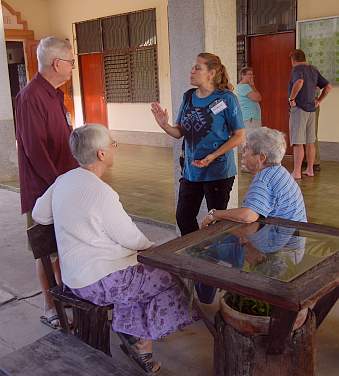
x: 273, y: 191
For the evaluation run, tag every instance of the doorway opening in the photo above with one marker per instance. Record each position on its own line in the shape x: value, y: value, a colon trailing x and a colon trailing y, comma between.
x: 16, y: 69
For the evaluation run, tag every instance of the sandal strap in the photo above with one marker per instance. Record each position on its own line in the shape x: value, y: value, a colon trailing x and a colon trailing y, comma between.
x: 145, y: 360
x: 52, y: 318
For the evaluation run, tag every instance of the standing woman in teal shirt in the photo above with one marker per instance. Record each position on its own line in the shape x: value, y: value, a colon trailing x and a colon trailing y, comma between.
x: 211, y: 123
x: 249, y: 99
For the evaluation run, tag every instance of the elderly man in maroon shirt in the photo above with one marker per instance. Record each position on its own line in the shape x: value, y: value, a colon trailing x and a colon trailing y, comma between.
x: 42, y: 129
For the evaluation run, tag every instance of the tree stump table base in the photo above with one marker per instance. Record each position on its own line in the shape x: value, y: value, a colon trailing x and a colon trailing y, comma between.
x: 238, y: 355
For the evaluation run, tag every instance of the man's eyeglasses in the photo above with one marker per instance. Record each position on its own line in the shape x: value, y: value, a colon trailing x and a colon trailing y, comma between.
x: 72, y: 62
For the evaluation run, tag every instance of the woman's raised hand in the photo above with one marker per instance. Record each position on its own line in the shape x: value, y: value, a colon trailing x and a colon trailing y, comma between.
x: 160, y: 115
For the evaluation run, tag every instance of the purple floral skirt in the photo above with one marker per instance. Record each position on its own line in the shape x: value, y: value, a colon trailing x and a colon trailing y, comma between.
x: 148, y: 303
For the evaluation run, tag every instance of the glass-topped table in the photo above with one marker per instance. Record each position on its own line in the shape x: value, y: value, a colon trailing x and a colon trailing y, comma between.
x: 274, y: 251
x: 291, y: 265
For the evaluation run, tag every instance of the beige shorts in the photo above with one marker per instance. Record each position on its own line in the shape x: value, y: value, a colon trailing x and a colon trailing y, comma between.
x: 302, y: 126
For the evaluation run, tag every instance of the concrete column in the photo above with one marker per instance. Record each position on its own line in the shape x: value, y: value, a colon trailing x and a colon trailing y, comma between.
x: 186, y: 40
x: 220, y: 17
x: 196, y: 26
x: 8, y: 153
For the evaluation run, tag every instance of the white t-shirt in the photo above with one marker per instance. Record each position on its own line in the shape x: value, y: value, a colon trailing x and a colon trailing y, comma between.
x: 95, y: 235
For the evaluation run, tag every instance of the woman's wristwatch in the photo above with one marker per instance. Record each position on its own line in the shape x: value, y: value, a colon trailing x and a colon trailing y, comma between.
x: 291, y: 99
x: 211, y: 214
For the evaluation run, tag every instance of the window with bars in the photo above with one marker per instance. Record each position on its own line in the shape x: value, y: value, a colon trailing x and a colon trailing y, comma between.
x: 88, y: 35
x: 267, y: 16
x: 262, y: 17
x: 129, y: 45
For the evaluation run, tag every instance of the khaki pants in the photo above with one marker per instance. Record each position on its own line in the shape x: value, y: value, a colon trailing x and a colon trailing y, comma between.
x: 316, y: 144
x: 302, y: 126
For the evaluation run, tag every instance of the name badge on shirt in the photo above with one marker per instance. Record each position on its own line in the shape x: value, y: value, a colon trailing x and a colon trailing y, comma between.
x: 217, y: 106
x: 69, y: 119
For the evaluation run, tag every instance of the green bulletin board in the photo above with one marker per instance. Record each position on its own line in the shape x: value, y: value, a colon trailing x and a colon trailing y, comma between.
x: 319, y: 39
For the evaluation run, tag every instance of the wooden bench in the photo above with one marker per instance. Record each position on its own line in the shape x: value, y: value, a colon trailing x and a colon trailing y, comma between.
x: 60, y: 354
x: 90, y: 322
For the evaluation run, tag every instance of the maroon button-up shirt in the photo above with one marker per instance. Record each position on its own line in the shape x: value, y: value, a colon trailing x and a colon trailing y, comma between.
x: 42, y: 134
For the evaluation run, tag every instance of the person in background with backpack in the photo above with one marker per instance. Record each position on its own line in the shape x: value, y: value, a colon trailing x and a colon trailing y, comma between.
x: 211, y: 123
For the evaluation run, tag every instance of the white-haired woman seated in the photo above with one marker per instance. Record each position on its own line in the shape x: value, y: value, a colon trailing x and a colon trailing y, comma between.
x: 273, y: 191
x: 97, y: 247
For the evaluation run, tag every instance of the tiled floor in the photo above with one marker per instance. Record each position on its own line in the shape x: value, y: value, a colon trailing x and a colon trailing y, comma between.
x: 143, y: 177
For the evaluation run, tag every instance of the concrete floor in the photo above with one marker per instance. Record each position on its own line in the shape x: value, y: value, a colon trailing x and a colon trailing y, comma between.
x: 147, y: 180
x: 188, y: 352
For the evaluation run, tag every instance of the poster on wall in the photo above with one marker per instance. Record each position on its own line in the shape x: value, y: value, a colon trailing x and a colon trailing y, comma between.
x: 319, y: 39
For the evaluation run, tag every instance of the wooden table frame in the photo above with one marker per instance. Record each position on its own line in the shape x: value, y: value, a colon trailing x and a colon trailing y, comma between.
x: 318, y: 287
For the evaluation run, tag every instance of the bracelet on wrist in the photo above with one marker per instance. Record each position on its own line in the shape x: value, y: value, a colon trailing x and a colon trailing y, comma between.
x: 211, y: 214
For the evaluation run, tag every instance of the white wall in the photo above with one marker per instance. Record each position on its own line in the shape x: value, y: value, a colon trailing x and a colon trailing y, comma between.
x: 131, y: 117
x: 329, y: 111
x: 136, y: 117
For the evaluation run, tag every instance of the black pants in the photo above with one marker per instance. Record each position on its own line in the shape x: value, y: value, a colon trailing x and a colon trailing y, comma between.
x: 191, y: 194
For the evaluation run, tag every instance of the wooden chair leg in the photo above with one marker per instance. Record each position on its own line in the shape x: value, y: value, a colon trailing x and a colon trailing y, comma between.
x: 104, y: 328
x: 59, y: 306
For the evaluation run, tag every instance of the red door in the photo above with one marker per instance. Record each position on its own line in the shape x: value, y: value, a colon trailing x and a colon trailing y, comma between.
x: 92, y: 88
x: 269, y: 57
x: 31, y: 58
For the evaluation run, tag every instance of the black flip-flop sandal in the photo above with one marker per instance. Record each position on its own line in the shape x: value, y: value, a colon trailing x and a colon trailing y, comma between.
x: 144, y: 361
x: 49, y: 321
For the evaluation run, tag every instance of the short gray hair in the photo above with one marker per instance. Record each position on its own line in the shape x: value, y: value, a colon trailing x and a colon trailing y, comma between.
x: 268, y: 142
x: 51, y: 48
x: 85, y: 142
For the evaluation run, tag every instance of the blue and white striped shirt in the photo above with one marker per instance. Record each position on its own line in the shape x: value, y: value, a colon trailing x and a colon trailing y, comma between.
x: 273, y: 192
